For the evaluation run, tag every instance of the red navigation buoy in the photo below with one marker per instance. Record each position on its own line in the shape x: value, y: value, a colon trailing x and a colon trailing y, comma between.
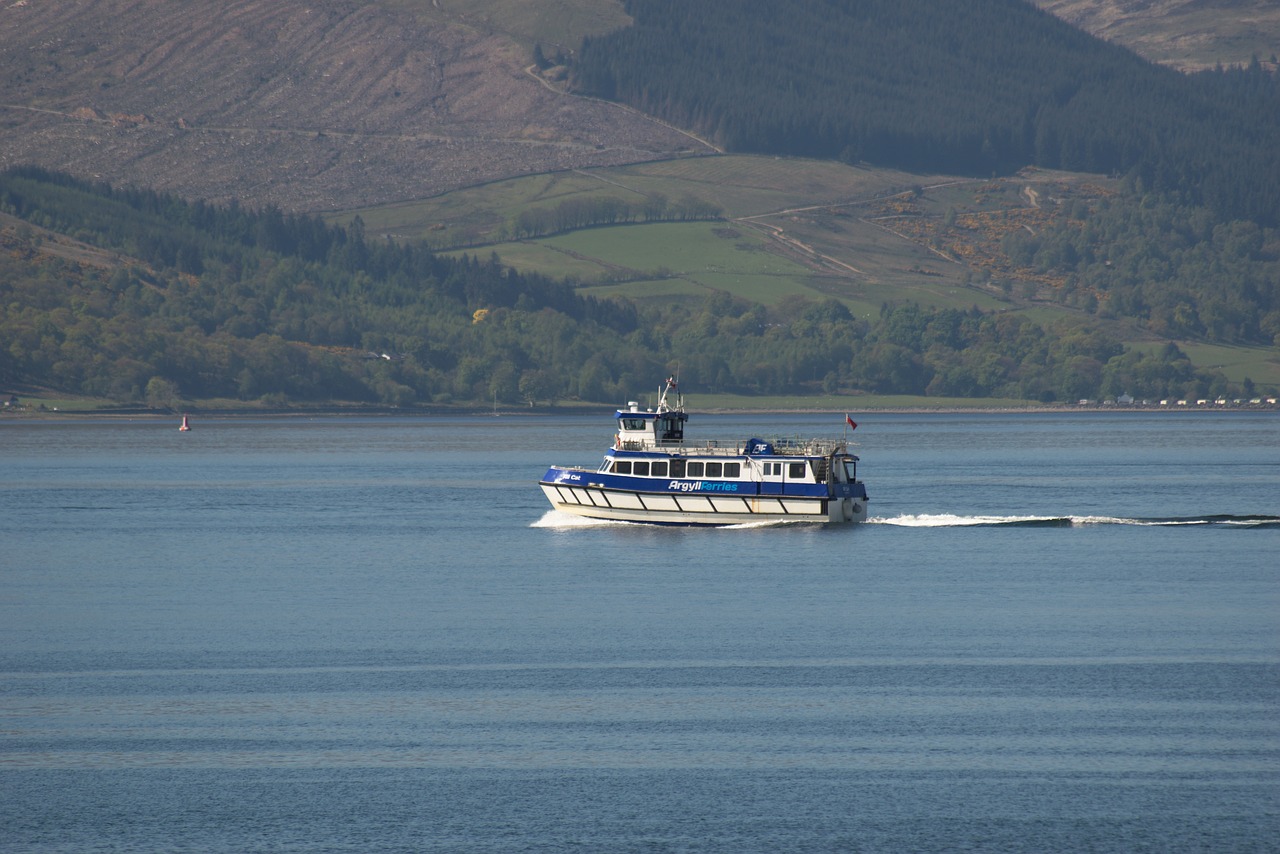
x: 185, y: 426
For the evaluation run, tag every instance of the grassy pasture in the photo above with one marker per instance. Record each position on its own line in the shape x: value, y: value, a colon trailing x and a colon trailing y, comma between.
x: 740, y: 185
x: 649, y: 289
x: 664, y: 259
x: 747, y: 185
x: 687, y: 248
x: 1260, y: 364
x: 797, y: 218
x: 529, y: 257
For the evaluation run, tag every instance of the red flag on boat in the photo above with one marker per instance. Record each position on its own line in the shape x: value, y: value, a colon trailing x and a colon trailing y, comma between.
x: 853, y: 425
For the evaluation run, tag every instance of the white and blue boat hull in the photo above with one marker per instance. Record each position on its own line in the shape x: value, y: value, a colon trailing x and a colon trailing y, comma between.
x: 582, y: 493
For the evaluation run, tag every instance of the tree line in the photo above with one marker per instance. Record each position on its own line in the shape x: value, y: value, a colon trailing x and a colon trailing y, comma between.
x: 579, y: 213
x: 224, y: 302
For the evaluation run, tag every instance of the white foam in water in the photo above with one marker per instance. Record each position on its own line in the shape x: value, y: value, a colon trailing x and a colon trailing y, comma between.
x: 949, y: 520
x: 1116, y: 520
x: 556, y: 519
x: 776, y: 523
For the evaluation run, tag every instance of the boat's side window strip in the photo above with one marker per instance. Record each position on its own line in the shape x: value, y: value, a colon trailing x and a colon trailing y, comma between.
x: 701, y: 468
x: 632, y: 423
x: 693, y: 468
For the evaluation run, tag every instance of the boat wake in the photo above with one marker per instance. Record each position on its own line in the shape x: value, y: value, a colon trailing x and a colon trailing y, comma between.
x: 556, y: 519
x: 947, y: 520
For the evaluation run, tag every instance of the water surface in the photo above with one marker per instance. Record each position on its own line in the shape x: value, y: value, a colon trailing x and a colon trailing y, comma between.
x: 1057, y: 632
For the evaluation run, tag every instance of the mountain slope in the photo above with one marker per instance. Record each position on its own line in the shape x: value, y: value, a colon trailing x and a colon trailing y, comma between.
x: 986, y: 87
x: 306, y: 105
x: 1186, y: 34
x: 338, y: 104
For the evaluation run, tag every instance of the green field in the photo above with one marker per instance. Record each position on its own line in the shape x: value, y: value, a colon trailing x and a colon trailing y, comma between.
x: 794, y: 227
x: 740, y: 185
x: 1260, y: 364
x: 790, y: 227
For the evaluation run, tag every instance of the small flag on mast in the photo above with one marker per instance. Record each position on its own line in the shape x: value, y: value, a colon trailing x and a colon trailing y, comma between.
x: 853, y: 425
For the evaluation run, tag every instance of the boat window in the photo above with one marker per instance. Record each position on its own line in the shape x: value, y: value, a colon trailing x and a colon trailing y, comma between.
x: 694, y: 469
x: 715, y: 469
x: 640, y: 468
x: 851, y: 470
x: 677, y: 468
x: 733, y: 469
x: 773, y: 469
x: 622, y: 466
x: 795, y: 471
x: 632, y: 423
x: 659, y: 469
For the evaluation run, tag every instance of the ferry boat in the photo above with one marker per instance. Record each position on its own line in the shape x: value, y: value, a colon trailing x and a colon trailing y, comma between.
x: 652, y: 474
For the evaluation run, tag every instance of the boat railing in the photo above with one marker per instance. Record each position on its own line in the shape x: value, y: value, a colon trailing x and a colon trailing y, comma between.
x: 807, y: 447
x: 737, y: 448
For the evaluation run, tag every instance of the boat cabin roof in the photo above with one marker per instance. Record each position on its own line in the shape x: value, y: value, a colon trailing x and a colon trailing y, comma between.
x: 638, y: 429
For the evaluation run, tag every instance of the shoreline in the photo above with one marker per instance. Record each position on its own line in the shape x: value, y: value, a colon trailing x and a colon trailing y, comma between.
x: 29, y: 415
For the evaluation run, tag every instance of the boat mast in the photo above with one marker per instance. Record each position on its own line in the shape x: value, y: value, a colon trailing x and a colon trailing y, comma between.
x: 671, y: 385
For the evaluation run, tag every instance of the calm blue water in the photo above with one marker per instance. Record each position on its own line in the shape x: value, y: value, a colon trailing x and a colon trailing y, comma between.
x: 1060, y: 632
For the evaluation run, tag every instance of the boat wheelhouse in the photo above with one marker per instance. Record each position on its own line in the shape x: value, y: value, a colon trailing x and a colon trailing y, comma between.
x: 652, y: 474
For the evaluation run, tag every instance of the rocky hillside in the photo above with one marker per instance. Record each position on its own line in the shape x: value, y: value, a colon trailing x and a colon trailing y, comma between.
x: 315, y: 105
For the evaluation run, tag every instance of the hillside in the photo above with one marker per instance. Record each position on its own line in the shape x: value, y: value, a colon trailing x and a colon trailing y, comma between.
x: 982, y: 88
x: 1186, y: 34
x: 338, y: 104
x: 305, y: 105
x: 762, y: 275
x: 156, y: 300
